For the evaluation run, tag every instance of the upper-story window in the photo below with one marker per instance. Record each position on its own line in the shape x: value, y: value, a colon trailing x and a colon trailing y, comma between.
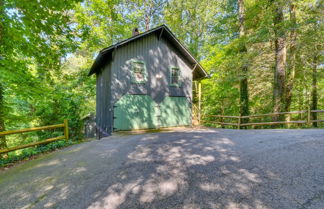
x: 174, y: 76
x: 138, y: 71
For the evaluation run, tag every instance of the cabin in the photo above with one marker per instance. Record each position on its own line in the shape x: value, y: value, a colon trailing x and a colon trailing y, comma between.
x: 145, y: 82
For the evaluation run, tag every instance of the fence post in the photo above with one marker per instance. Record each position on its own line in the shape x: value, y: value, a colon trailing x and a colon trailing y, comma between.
x: 66, y: 129
x: 239, y: 122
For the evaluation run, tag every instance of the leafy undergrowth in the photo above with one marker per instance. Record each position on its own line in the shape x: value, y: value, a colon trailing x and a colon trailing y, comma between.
x: 34, y: 152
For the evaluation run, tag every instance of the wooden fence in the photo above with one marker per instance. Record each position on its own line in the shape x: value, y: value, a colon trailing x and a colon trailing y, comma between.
x: 239, y: 123
x: 65, y: 136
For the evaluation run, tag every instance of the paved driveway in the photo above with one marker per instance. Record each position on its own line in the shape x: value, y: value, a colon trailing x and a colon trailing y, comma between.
x: 186, y: 168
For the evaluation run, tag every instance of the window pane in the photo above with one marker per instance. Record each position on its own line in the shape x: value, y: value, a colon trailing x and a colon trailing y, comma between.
x: 138, y: 65
x: 175, y: 72
x: 138, y: 72
x: 174, y: 79
x: 175, y: 75
x: 139, y: 76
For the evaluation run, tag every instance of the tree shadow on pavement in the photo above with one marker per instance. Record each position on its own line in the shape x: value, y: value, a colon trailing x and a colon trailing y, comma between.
x: 184, y: 170
x: 192, y: 168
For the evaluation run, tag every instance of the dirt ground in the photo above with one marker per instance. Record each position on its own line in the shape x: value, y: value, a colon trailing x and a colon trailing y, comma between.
x: 182, y: 168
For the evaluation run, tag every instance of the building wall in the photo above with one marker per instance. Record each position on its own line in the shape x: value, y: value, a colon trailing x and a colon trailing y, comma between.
x: 115, y: 80
x: 158, y: 56
x: 104, y: 115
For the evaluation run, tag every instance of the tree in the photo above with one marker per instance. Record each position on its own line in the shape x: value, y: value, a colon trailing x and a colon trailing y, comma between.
x: 153, y: 11
x: 291, y: 70
x: 282, y: 40
x: 244, y: 94
x: 192, y: 21
x: 310, y: 52
x: 3, y: 142
x: 316, y: 56
x: 34, y: 36
x: 280, y: 57
x: 314, y: 98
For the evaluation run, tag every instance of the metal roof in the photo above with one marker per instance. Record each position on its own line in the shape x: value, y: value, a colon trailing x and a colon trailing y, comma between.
x: 105, y: 55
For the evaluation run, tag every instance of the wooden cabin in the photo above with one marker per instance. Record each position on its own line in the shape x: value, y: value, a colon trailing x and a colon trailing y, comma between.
x: 145, y: 82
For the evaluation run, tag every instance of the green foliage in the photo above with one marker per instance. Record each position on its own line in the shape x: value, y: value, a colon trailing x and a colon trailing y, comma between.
x: 27, y: 153
x: 36, y: 39
x: 223, y: 57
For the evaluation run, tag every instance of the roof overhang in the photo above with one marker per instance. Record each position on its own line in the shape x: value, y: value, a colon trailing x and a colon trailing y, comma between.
x: 105, y: 55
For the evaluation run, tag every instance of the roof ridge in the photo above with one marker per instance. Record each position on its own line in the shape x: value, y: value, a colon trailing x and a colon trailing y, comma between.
x: 134, y: 37
x: 171, y: 37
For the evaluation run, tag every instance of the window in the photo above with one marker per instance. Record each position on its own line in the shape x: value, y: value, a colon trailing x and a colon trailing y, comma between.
x: 138, y: 71
x: 175, y: 76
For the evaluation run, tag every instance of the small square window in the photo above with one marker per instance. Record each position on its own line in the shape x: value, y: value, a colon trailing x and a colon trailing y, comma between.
x: 138, y: 72
x: 175, y: 77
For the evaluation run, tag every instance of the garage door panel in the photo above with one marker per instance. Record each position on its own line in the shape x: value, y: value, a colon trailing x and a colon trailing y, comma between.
x: 135, y: 112
x: 175, y: 111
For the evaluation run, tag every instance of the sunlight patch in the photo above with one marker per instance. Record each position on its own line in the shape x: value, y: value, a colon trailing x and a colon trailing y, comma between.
x: 210, y: 187
x: 168, y: 187
x: 199, y: 159
x: 50, y: 163
x: 250, y: 176
x: 149, y: 190
x: 141, y: 153
x: 116, y: 195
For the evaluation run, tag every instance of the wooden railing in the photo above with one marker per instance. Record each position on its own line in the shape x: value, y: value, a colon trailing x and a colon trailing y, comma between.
x: 240, y: 124
x: 65, y: 136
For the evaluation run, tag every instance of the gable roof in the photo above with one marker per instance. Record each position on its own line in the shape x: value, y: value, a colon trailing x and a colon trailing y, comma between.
x: 105, y: 54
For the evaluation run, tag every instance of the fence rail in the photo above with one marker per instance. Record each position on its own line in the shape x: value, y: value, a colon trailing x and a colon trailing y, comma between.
x: 65, y: 136
x: 239, y: 123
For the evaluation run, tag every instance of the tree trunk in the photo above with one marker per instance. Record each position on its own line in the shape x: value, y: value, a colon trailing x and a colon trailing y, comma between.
x: 148, y: 13
x: 147, y: 22
x: 3, y: 142
x: 280, y: 60
x: 292, y: 65
x: 244, y: 94
x: 314, y: 91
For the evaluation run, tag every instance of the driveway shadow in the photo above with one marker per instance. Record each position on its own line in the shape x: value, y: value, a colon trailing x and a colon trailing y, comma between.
x: 204, y: 168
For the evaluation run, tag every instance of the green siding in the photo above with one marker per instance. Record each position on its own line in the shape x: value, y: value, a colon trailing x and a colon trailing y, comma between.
x: 175, y: 111
x: 141, y: 112
x: 135, y: 112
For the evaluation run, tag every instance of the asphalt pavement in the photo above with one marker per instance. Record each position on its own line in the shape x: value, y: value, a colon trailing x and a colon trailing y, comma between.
x: 184, y: 168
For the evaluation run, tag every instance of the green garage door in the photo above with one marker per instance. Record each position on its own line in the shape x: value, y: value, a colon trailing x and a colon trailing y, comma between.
x: 135, y: 112
x: 175, y: 111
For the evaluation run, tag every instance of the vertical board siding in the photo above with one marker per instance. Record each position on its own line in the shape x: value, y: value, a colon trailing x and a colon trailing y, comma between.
x: 175, y: 111
x: 104, y: 115
x: 158, y: 56
x: 135, y: 112
x: 115, y: 80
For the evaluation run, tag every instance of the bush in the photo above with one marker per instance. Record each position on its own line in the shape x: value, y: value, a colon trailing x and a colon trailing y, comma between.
x: 32, y: 151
